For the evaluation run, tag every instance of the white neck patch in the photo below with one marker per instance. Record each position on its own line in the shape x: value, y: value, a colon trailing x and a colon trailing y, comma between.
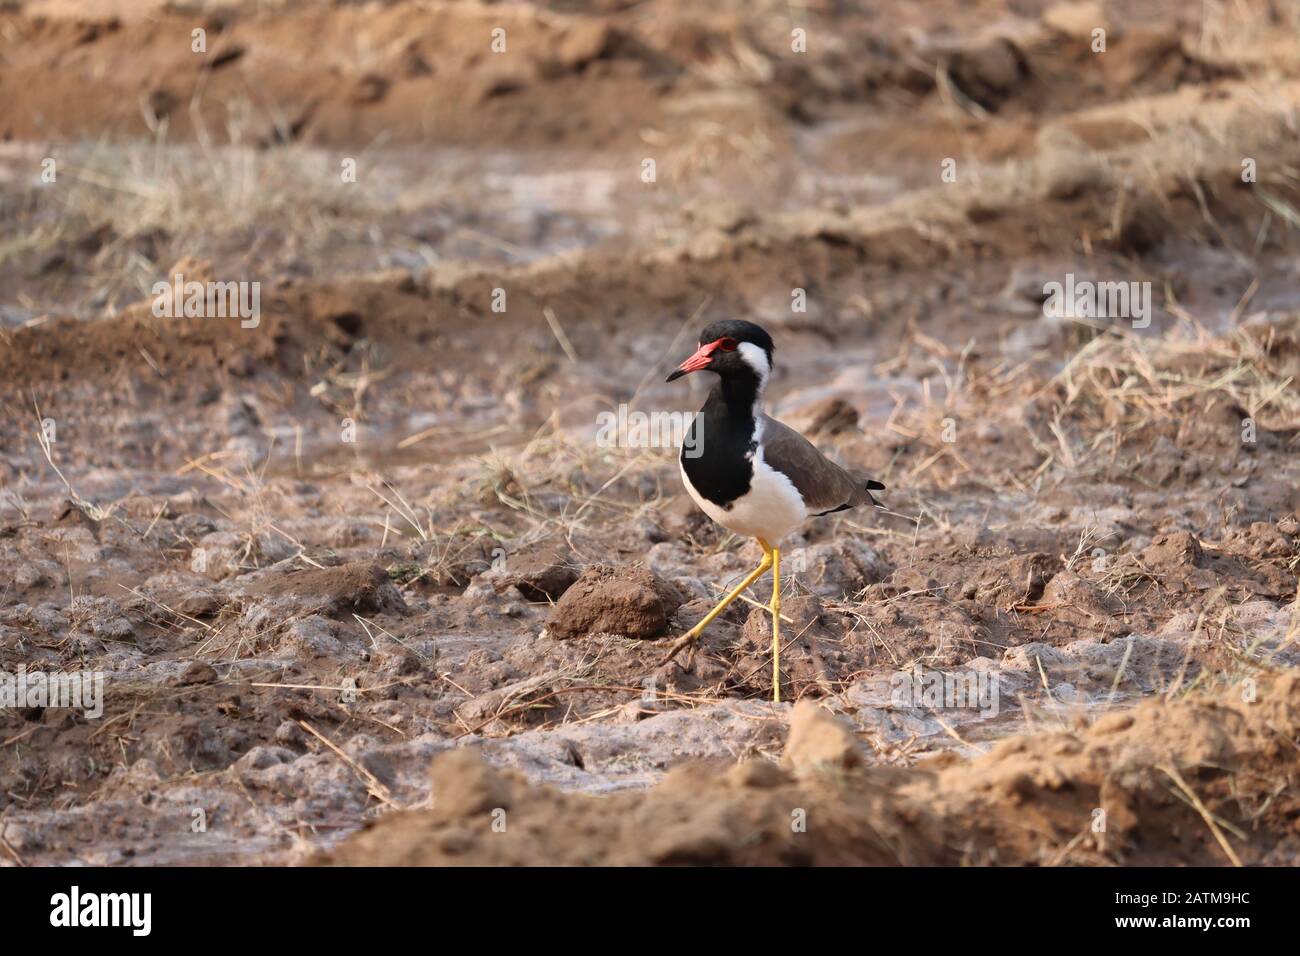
x: 756, y: 359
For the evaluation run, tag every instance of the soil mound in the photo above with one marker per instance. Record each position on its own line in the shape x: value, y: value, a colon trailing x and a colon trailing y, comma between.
x: 1199, y: 781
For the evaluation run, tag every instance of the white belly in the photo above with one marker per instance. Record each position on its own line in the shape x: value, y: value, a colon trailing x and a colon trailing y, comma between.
x: 770, y: 510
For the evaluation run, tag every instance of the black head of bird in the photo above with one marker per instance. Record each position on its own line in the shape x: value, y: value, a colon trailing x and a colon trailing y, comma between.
x: 731, y: 347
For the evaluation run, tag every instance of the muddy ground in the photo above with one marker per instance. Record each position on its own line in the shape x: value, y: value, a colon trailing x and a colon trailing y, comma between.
x: 379, y: 525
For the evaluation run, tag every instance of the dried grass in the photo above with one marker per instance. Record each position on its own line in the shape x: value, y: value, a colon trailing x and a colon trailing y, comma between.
x: 1119, y: 380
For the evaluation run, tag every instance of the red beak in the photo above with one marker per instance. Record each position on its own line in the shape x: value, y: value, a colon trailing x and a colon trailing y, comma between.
x: 701, y: 359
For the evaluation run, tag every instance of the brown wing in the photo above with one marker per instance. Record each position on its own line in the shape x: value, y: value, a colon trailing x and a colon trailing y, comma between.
x: 824, y: 485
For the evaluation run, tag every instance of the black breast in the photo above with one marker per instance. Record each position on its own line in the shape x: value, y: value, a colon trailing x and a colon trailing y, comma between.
x: 717, y: 455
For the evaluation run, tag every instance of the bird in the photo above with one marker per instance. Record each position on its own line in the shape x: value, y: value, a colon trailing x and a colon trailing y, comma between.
x: 749, y: 472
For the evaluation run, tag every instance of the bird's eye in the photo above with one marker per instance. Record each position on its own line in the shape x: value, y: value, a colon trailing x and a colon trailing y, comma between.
x: 728, y: 345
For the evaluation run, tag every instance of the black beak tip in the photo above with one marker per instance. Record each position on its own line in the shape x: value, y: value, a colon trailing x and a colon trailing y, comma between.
x: 674, y: 375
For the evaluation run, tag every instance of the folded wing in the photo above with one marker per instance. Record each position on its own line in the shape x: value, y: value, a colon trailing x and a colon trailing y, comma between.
x: 824, y: 485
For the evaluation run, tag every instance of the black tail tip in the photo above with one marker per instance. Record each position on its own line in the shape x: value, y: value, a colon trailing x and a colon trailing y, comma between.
x: 874, y: 486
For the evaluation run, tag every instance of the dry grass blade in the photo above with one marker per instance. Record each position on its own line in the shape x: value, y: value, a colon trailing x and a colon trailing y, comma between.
x: 373, y: 783
x: 1172, y: 773
x: 91, y: 510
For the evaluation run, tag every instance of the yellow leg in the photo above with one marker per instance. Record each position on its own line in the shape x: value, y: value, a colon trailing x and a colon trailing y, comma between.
x: 776, y: 625
x: 698, y: 629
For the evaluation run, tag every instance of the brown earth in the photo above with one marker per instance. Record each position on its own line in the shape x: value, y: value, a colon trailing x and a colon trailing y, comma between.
x: 312, y: 553
x: 1131, y: 788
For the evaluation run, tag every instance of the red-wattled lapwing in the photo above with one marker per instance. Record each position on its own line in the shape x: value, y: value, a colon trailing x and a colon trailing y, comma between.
x: 750, y: 473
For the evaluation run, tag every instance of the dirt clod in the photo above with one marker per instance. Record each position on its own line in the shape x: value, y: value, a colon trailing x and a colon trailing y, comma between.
x: 464, y: 786
x: 542, y: 572
x: 629, y: 601
x: 818, y: 741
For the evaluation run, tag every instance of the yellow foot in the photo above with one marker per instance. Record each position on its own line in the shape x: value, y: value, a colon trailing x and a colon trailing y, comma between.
x: 688, y: 638
x: 694, y: 633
